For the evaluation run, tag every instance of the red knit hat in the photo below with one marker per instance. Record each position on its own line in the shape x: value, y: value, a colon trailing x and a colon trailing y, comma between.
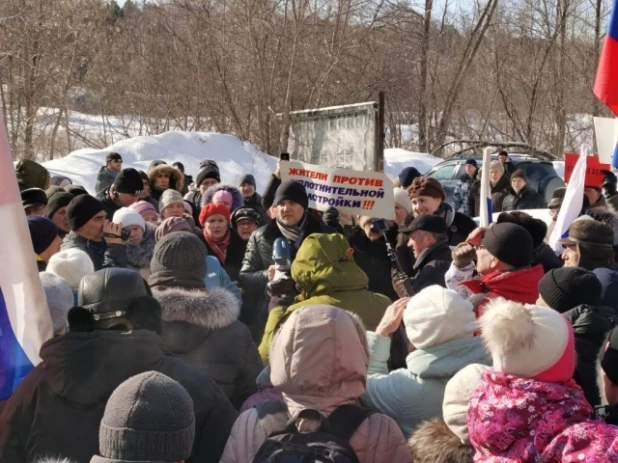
x: 214, y: 209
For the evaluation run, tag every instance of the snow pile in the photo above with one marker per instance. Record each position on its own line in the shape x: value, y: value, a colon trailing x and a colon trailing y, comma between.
x: 234, y: 157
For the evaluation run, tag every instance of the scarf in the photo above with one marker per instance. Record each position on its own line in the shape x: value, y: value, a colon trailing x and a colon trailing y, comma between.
x: 219, y: 247
x: 293, y: 234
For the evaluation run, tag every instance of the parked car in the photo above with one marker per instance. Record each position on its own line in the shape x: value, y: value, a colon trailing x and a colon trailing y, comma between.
x: 541, y: 174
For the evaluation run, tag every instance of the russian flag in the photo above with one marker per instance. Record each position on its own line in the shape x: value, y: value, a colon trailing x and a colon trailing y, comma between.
x: 606, y: 83
x: 25, y: 323
x: 486, y: 210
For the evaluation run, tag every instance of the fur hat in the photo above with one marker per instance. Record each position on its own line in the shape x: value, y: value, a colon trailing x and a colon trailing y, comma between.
x: 59, y: 297
x: 434, y: 442
x: 71, y: 265
x: 426, y: 186
x: 457, y: 394
x: 170, y: 197
x: 128, y: 217
x: 437, y: 315
x: 403, y: 199
x: 407, y: 176
x: 528, y: 341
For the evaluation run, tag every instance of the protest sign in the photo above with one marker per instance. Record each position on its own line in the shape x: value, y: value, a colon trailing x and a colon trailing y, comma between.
x: 594, y: 168
x: 350, y: 191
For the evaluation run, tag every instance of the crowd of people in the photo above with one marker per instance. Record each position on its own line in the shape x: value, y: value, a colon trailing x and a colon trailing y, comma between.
x: 178, y: 337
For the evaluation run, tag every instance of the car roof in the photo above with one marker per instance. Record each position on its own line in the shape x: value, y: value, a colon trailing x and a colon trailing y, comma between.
x: 513, y: 156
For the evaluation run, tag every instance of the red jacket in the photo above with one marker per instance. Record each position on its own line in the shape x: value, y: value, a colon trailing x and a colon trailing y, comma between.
x: 519, y: 286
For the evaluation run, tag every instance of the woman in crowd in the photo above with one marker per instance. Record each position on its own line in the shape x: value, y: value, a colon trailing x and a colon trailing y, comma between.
x: 141, y: 241
x: 147, y: 211
x: 227, y: 194
x: 162, y: 178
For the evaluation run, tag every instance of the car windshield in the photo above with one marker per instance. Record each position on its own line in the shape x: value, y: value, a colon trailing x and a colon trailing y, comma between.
x: 535, y: 171
x: 444, y: 171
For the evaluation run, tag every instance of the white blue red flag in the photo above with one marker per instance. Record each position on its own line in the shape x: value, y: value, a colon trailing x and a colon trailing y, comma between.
x: 486, y: 209
x: 25, y: 323
x: 606, y: 82
x: 572, y: 203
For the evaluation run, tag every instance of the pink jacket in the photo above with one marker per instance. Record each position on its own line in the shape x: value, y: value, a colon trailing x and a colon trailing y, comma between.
x: 319, y: 360
x: 519, y: 420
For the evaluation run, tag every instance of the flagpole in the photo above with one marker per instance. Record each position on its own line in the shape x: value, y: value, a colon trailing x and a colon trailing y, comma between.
x: 486, y: 209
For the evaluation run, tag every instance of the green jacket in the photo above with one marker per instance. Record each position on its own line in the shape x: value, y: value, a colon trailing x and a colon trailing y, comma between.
x: 326, y: 274
x: 31, y: 174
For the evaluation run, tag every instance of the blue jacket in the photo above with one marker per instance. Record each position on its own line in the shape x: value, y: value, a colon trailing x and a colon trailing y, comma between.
x: 414, y: 394
x: 217, y: 277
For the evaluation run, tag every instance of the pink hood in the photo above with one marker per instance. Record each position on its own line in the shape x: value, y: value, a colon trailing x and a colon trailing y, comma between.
x: 319, y: 359
x: 515, y: 419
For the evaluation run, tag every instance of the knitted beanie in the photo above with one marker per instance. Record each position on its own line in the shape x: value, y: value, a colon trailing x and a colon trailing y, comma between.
x: 568, y: 287
x: 224, y: 197
x: 149, y: 417
x: 169, y: 197
x: 129, y: 181
x: 528, y: 341
x: 407, y: 176
x: 128, y: 217
x: 214, y: 209
x: 457, y: 395
x: 144, y: 208
x: 247, y: 178
x: 59, y: 297
x: 71, y: 265
x: 403, y: 199
x: 519, y: 173
x: 56, y: 202
x: 179, y: 260
x: 33, y: 197
x: 436, y: 315
x: 426, y: 186
x: 208, y: 171
x: 292, y: 190
x: 510, y: 243
x: 170, y: 225
x: 76, y: 190
x: 43, y: 232
x: 496, y: 165
x: 82, y: 209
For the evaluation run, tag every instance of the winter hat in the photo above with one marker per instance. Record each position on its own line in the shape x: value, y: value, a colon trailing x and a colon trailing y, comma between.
x: 149, y: 417
x: 437, y: 315
x: 426, y: 186
x: 211, y: 163
x: 43, y: 232
x: 536, y: 227
x: 568, y: 287
x: 471, y: 162
x: 71, y: 265
x: 590, y: 234
x: 112, y: 157
x: 214, y: 209
x: 609, y: 357
x: 76, y: 190
x: 209, y: 171
x: 157, y: 163
x: 292, y: 190
x: 247, y: 178
x: 519, y: 173
x: 144, y: 208
x: 246, y: 212
x: 528, y: 341
x: 403, y: 199
x: 129, y: 181
x: 510, y: 243
x: 179, y: 260
x: 496, y: 165
x: 33, y: 197
x: 407, y: 176
x: 457, y: 395
x: 61, y: 181
x: 56, y: 202
x: 169, y: 197
x: 81, y: 209
x: 128, y: 217
x: 429, y: 223
x: 224, y: 197
x: 59, y: 296
x: 172, y: 224
x: 53, y: 189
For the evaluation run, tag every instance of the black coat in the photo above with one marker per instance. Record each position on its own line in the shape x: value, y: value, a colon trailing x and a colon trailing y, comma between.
x: 105, y: 179
x: 103, y: 255
x: 498, y: 192
x: 268, y: 198
x: 372, y: 257
x: 233, y: 257
x: 545, y: 255
x: 256, y: 203
x: 590, y: 325
x: 431, y: 266
x: 108, y: 203
x: 459, y: 225
x: 57, y: 409
x: 526, y: 199
x: 202, y: 328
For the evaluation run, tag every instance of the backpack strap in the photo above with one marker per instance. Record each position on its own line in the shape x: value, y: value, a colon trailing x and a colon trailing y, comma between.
x: 273, y: 416
x: 346, y: 419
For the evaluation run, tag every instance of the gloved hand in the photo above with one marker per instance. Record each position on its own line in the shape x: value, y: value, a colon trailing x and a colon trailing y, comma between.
x: 463, y: 255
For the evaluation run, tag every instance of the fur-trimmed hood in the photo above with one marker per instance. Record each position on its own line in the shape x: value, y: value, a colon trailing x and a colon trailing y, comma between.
x: 434, y: 442
x: 237, y: 198
x: 213, y: 309
x: 140, y: 255
x: 177, y: 179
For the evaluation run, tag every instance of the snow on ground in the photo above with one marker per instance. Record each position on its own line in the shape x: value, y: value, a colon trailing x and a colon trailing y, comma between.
x: 233, y: 156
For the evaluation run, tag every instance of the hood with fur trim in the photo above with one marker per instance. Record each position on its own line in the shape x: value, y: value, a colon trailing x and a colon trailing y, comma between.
x: 140, y: 255
x: 434, y: 442
x: 177, y: 179
x: 237, y: 198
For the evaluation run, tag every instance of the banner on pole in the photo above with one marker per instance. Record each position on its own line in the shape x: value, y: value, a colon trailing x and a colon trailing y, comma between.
x: 594, y: 169
x: 350, y: 191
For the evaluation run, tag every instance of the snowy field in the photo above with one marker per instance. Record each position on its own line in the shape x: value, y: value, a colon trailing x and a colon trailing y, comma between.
x: 233, y: 156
